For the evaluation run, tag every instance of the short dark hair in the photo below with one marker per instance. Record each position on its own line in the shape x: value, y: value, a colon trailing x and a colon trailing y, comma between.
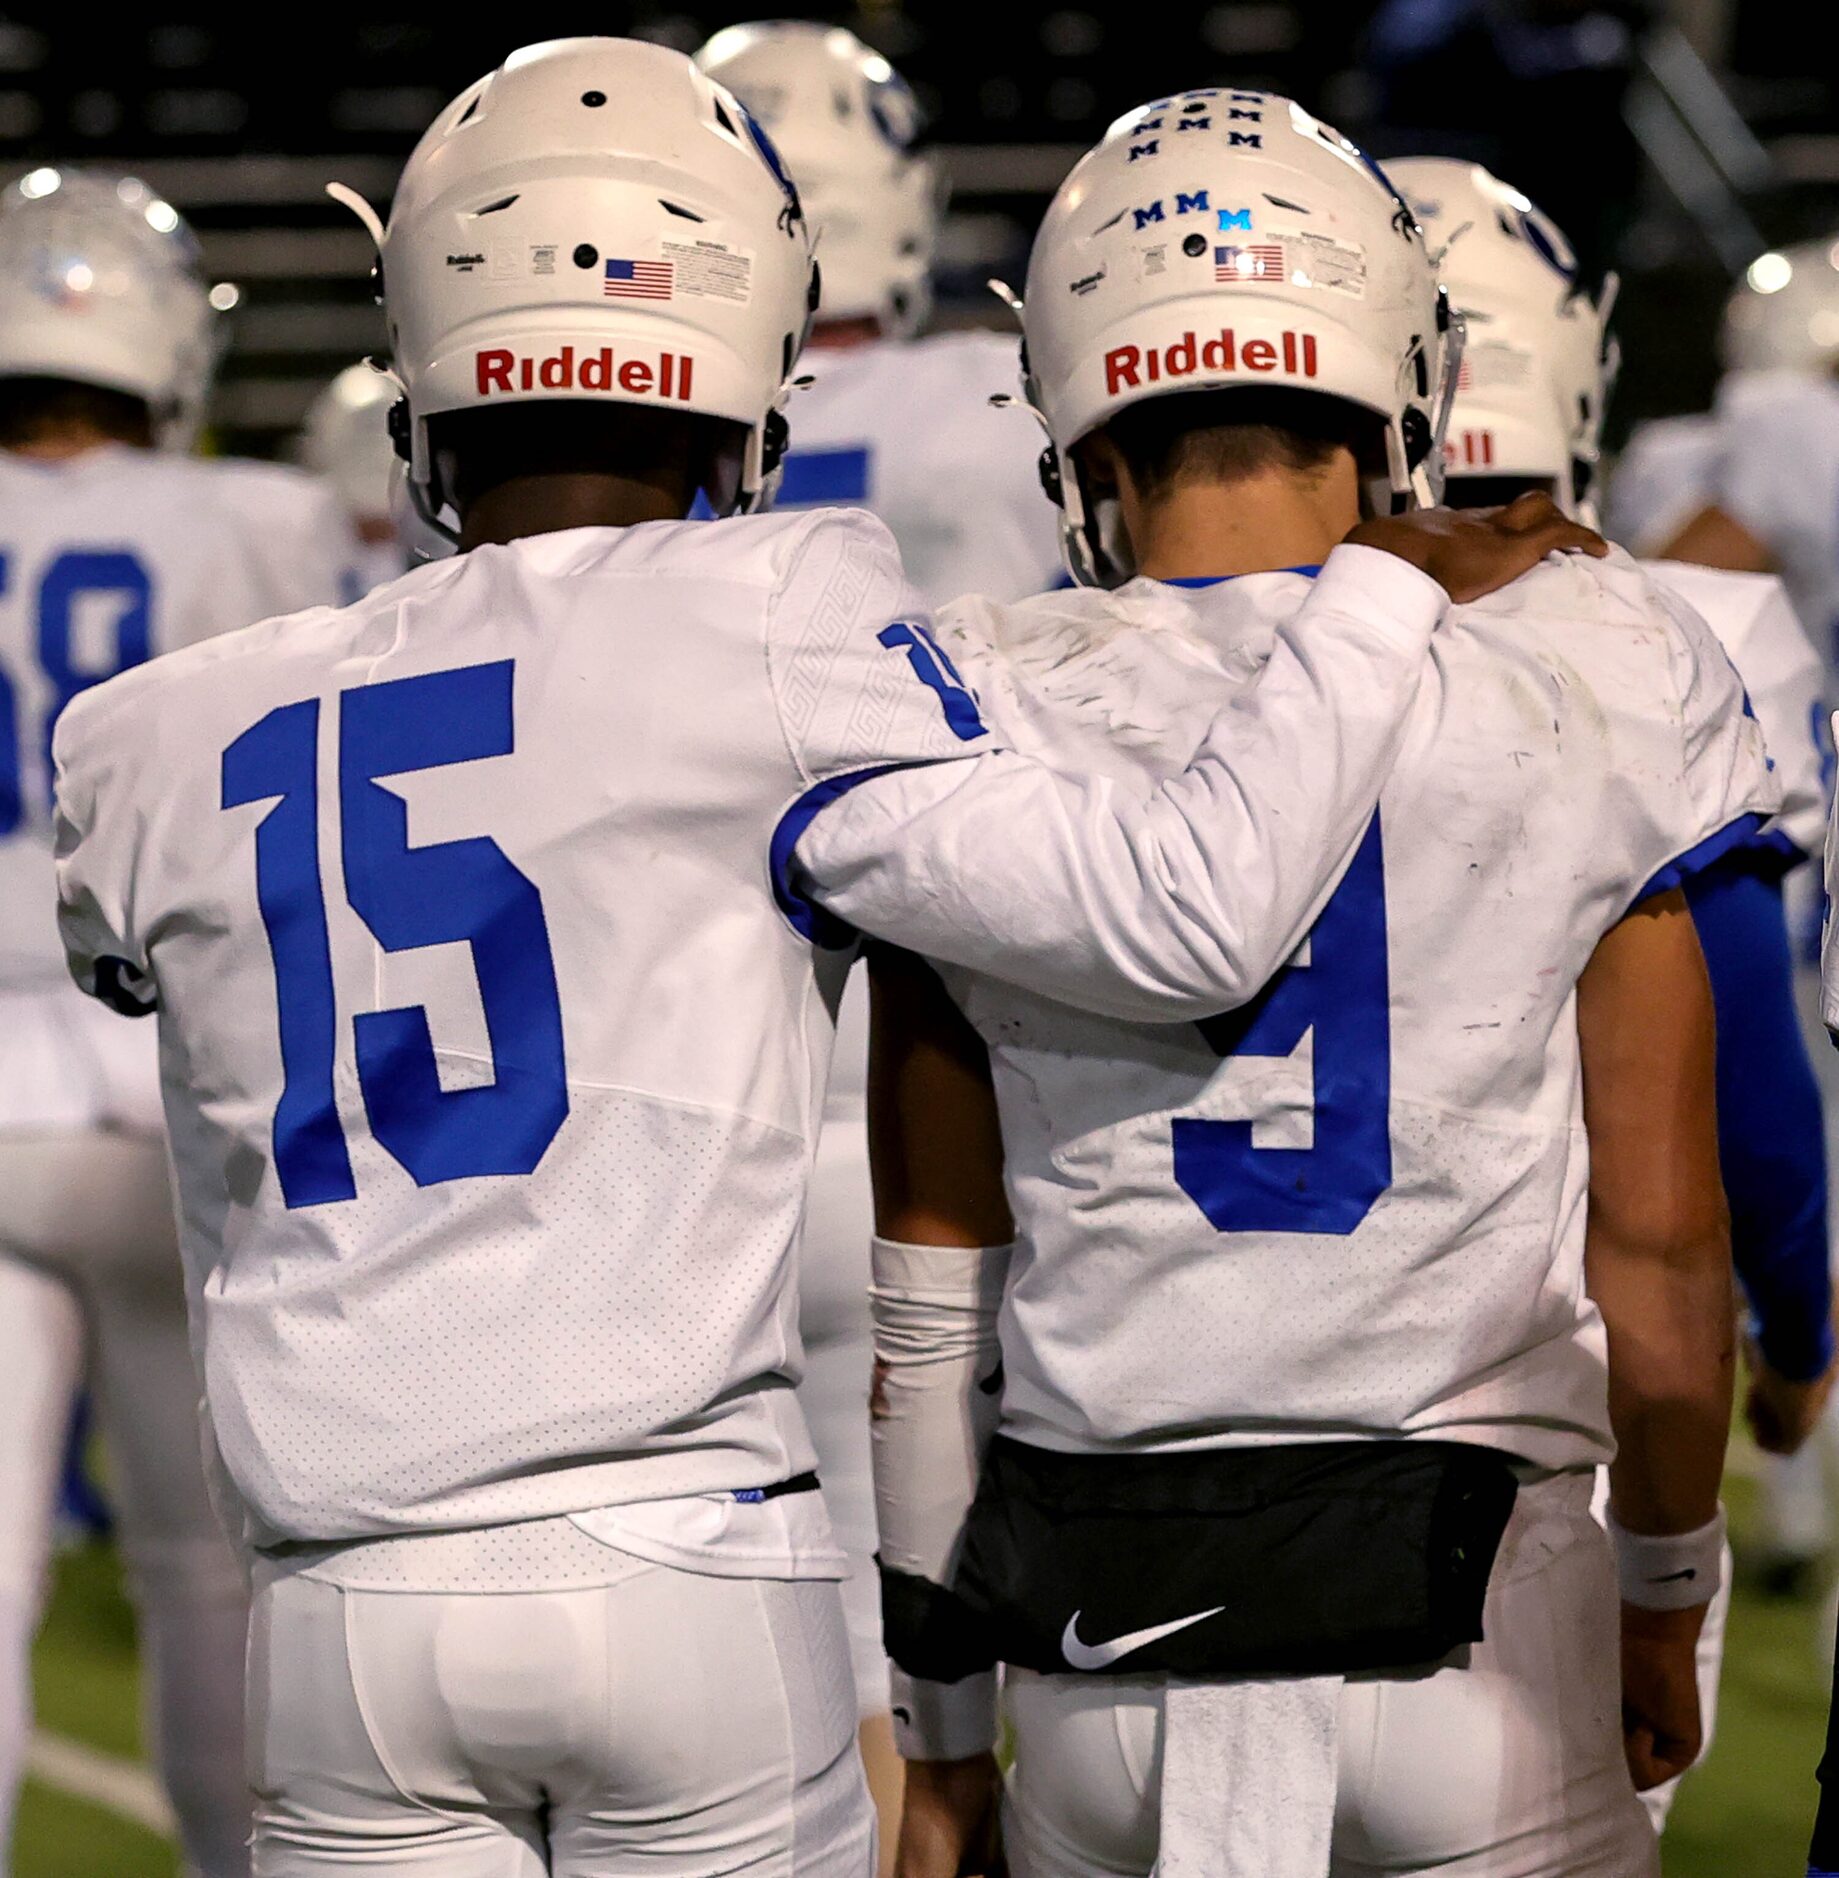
x: 490, y: 445
x: 1226, y: 436
x: 32, y: 406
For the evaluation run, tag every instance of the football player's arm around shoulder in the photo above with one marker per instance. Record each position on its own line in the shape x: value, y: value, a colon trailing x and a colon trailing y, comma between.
x: 1657, y: 1264
x: 95, y: 832
x: 1158, y: 905
x: 940, y: 1259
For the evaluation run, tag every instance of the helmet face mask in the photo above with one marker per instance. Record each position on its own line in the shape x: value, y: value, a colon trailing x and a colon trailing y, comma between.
x: 101, y: 282
x: 1225, y: 238
x: 596, y: 221
x: 1541, y: 362
x: 846, y: 122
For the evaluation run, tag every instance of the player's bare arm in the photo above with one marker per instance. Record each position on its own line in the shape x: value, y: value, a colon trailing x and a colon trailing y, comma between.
x: 935, y: 1148
x: 1714, y: 538
x: 1658, y: 1266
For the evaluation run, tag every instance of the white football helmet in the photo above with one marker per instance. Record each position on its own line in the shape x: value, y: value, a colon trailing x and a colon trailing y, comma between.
x: 845, y: 122
x: 346, y: 439
x: 101, y: 282
x: 1538, y: 362
x: 1225, y: 238
x: 596, y: 219
x: 1785, y: 315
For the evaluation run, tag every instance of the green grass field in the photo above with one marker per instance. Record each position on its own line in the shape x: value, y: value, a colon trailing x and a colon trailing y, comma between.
x: 1744, y: 1814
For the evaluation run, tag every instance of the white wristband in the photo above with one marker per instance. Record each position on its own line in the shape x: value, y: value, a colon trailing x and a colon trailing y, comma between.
x: 1672, y: 1571
x: 943, y: 1721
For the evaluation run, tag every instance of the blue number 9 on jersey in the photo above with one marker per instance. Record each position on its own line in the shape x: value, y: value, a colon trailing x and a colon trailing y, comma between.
x: 1343, y: 994
x: 447, y: 892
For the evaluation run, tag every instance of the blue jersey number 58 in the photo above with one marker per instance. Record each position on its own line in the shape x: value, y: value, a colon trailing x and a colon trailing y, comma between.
x: 446, y: 892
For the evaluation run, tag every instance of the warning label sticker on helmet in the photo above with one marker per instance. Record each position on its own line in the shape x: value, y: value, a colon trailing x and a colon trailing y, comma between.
x: 710, y: 270
x: 1491, y: 366
x: 1321, y: 261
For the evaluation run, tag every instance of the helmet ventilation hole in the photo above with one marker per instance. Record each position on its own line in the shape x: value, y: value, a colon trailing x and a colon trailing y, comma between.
x: 493, y: 208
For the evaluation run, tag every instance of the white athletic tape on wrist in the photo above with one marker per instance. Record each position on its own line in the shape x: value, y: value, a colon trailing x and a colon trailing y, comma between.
x: 934, y: 1310
x: 1669, y: 1571
x: 943, y: 1721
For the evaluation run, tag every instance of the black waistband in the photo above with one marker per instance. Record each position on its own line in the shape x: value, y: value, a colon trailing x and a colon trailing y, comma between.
x: 799, y: 1483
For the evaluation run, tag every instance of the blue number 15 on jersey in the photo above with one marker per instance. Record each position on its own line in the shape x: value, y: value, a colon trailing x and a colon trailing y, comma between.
x: 447, y: 892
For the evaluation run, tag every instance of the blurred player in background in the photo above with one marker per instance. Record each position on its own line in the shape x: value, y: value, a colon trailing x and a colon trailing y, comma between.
x: 1754, y: 485
x: 1768, y: 501
x: 115, y: 547
x: 346, y: 441
x: 493, y: 1062
x: 901, y: 425
x: 1275, y: 1278
x: 1536, y: 379
x: 894, y: 420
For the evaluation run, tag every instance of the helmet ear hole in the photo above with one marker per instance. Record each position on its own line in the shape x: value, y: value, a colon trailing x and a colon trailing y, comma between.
x: 401, y: 430
x: 774, y: 443
x: 1415, y: 428
x: 1049, y: 472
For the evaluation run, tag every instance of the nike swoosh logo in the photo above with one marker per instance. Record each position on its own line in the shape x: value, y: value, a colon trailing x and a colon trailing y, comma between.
x: 1102, y: 1655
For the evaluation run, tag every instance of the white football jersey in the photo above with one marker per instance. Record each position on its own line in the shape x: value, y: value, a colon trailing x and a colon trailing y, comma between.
x: 1355, y: 1207
x: 1664, y: 476
x: 1783, y: 679
x: 906, y: 430
x: 107, y: 559
x: 1778, y: 474
x: 494, y: 1009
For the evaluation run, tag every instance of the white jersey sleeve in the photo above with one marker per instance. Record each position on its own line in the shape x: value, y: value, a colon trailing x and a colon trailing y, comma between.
x: 1755, y: 623
x: 1163, y: 906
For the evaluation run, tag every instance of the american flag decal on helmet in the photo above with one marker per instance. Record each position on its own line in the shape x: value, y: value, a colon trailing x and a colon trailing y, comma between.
x: 1261, y: 261
x: 641, y: 280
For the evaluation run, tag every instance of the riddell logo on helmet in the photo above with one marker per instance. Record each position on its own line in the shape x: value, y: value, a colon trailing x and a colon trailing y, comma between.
x: 1470, y: 449
x: 1126, y: 367
x: 670, y: 375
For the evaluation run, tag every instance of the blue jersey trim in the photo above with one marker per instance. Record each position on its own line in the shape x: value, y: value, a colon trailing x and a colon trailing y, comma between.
x: 1771, y: 1137
x: 806, y: 918
x: 812, y: 478
x: 1743, y: 832
x: 1214, y: 580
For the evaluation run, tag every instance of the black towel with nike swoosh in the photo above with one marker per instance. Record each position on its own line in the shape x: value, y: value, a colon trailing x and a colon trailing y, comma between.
x: 1318, y: 1558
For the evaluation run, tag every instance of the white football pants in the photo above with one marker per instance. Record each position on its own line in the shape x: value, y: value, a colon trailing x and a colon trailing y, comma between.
x: 89, y: 1281
x: 670, y: 1722
x: 1505, y: 1764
